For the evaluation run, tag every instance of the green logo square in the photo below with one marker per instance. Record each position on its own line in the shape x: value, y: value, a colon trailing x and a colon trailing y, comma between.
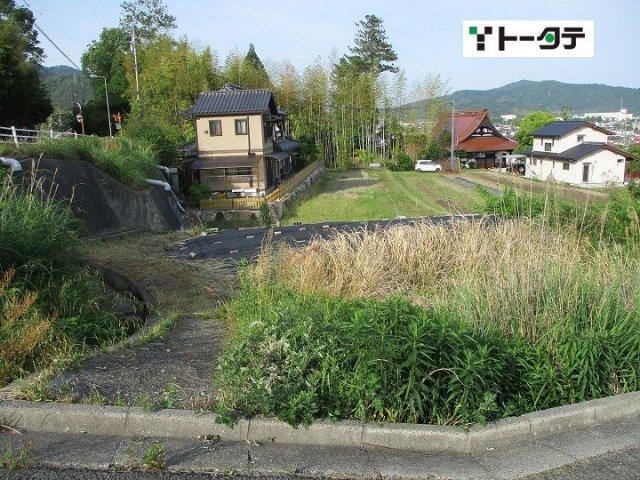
x: 473, y: 30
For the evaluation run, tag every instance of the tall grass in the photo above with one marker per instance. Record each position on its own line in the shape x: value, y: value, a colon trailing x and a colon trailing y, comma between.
x: 433, y: 324
x: 50, y: 303
x: 128, y: 160
x: 617, y: 219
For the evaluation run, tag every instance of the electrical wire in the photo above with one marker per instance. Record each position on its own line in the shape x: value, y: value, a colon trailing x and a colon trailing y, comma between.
x: 51, y: 41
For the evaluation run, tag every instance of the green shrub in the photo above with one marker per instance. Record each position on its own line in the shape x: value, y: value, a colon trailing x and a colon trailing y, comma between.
x: 163, y: 139
x: 198, y: 192
x: 266, y: 215
x: 399, y: 161
x: 302, y: 357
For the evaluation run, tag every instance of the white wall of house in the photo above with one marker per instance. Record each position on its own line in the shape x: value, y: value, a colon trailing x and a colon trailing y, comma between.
x: 569, y: 140
x: 605, y: 167
x: 229, y: 143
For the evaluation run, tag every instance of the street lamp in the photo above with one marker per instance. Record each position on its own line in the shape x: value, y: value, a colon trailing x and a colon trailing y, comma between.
x: 106, y: 92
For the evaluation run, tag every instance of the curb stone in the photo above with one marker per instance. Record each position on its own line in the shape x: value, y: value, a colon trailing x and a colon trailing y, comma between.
x: 134, y: 422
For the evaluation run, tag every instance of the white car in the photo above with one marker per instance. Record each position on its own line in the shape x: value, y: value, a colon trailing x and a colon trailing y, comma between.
x: 428, y: 166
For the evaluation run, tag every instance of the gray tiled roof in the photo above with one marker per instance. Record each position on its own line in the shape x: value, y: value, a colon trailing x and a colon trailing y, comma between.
x: 575, y: 153
x: 234, y: 101
x: 287, y: 144
x: 581, y: 150
x: 558, y: 129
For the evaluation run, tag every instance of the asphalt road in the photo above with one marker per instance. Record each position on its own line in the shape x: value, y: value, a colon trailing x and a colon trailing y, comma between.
x: 246, y: 243
x: 621, y: 465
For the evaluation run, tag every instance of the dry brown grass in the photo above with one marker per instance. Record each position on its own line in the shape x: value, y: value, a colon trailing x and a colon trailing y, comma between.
x: 23, y: 330
x: 507, y: 274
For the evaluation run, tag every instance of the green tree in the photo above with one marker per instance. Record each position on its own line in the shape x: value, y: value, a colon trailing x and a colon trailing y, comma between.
x: 372, y: 50
x: 530, y: 124
x: 157, y: 116
x: 255, y: 75
x: 247, y: 71
x: 24, y: 101
x: 107, y: 57
x: 565, y: 113
x: 150, y: 18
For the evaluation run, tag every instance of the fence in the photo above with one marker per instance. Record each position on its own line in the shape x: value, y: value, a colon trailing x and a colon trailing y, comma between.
x: 289, y: 185
x: 245, y: 203
x: 22, y: 135
x: 253, y: 203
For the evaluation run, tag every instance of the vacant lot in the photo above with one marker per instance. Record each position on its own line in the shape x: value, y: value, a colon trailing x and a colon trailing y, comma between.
x: 378, y: 194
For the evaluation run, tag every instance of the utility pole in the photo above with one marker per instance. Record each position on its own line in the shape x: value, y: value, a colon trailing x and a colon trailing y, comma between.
x: 454, y: 161
x: 135, y: 61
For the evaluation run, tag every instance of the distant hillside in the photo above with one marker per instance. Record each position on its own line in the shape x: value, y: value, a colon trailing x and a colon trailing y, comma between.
x: 525, y: 95
x: 66, y: 86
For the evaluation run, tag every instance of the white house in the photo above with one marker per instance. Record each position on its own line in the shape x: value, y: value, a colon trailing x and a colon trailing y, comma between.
x: 575, y: 152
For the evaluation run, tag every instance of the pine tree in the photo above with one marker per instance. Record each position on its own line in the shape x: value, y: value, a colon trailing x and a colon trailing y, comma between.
x: 372, y: 51
x: 254, y: 73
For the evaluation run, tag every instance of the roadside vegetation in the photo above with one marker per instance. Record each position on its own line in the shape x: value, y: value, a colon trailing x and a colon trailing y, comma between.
x: 433, y: 324
x: 128, y: 160
x: 52, y: 306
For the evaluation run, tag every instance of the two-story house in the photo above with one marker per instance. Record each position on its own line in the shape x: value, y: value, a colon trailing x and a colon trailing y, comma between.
x: 575, y: 152
x: 241, y: 149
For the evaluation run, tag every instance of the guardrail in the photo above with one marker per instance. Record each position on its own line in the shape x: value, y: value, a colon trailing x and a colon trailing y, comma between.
x: 253, y: 203
x: 22, y: 135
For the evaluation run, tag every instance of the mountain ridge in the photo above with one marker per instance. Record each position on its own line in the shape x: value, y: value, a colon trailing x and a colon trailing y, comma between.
x: 66, y: 85
x: 524, y: 96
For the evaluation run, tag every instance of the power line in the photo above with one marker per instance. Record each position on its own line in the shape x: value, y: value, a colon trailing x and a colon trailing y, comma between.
x: 52, y: 42
x: 94, y: 13
x: 108, y: 9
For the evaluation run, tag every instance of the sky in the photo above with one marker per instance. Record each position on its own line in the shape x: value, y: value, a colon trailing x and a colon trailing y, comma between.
x: 427, y: 35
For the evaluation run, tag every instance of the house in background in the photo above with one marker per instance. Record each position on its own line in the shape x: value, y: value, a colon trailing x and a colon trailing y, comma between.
x: 240, y: 144
x: 478, y: 140
x: 575, y: 152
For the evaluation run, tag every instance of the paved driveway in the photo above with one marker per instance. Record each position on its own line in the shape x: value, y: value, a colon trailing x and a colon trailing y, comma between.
x: 246, y: 243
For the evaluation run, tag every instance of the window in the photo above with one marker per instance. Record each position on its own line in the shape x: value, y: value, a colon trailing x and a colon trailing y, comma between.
x: 534, y: 161
x: 215, y: 128
x: 565, y: 166
x: 580, y: 138
x: 547, y: 147
x: 241, y: 127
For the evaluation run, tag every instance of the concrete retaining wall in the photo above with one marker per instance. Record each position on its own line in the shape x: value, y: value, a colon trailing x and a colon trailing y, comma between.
x: 103, y: 203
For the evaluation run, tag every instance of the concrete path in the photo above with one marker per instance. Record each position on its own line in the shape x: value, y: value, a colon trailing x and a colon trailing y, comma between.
x: 608, y: 450
x: 177, y: 370
x: 246, y: 243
